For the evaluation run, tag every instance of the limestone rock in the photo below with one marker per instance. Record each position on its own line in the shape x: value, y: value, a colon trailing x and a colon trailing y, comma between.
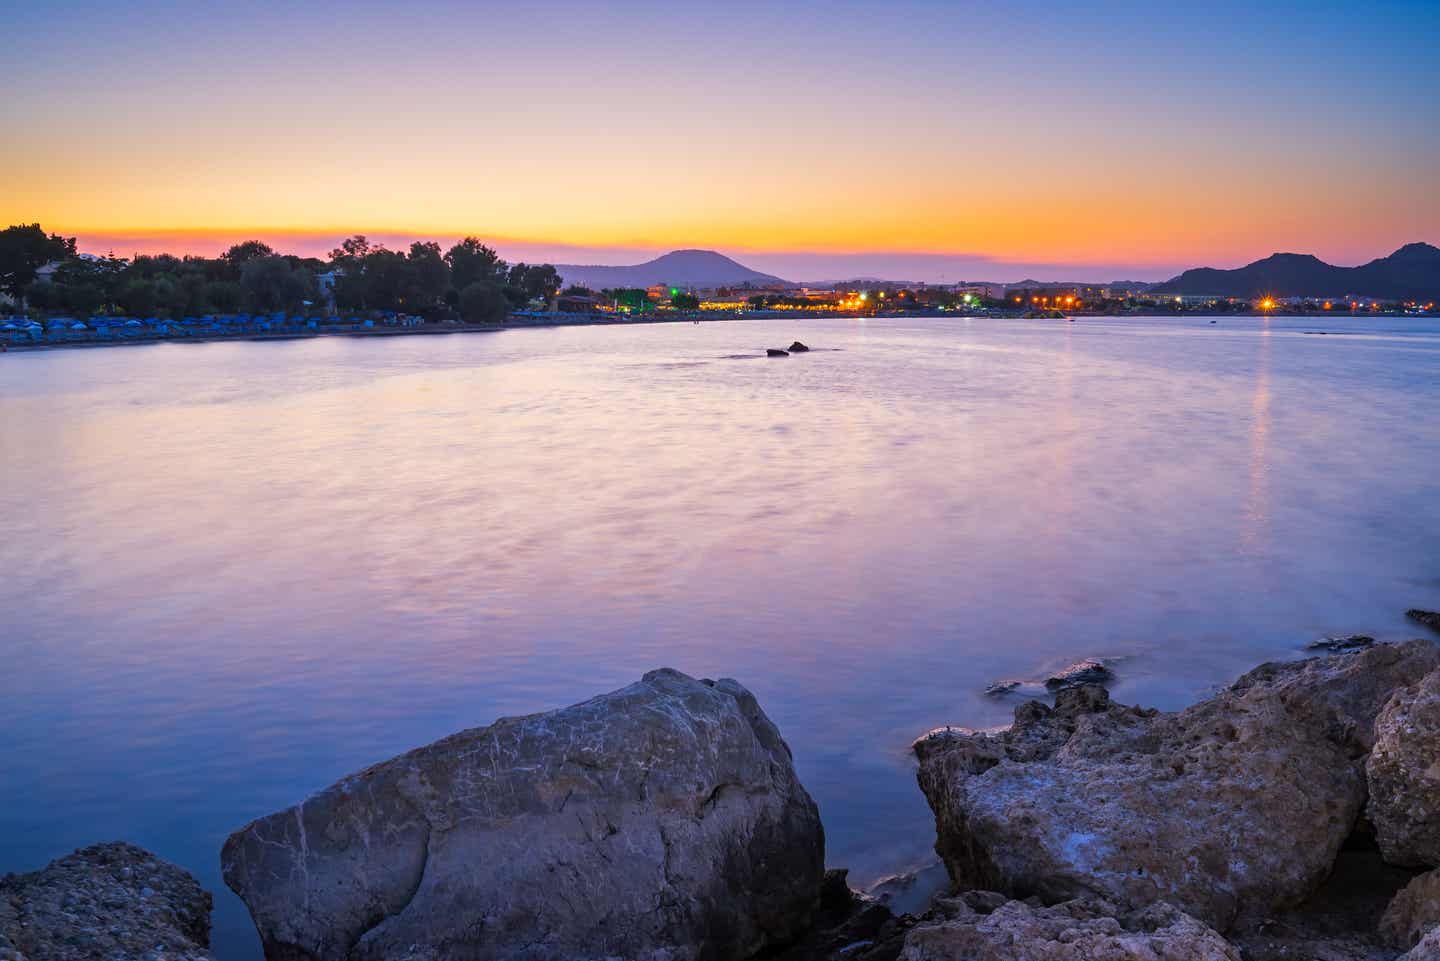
x: 912, y: 891
x: 1239, y: 802
x: 662, y: 821
x: 1344, y: 642
x: 1427, y: 950
x: 1415, y: 910
x: 101, y: 903
x: 1077, y: 930
x: 1092, y: 670
x: 1403, y: 772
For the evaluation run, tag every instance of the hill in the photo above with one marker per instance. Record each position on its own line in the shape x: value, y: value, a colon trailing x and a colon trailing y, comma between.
x: 1412, y: 272
x: 679, y: 268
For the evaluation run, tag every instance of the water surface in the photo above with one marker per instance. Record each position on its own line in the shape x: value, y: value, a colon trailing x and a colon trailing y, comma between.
x: 237, y: 571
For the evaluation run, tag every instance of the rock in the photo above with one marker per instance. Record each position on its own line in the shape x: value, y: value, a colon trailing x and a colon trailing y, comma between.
x: 1001, y: 688
x: 1403, y: 773
x: 911, y: 892
x: 798, y: 348
x: 849, y: 926
x: 1239, y: 802
x: 1077, y: 930
x: 1092, y: 670
x: 1427, y: 950
x: 776, y: 352
x: 1430, y: 619
x: 1348, y: 642
x: 660, y: 821
x: 1413, y: 912
x: 1340, y: 922
x: 104, y: 902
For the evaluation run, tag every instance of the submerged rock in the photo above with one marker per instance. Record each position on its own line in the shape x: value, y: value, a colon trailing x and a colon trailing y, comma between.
x: 798, y: 348
x: 1237, y: 804
x: 1078, y: 930
x: 1403, y: 773
x: 1000, y: 688
x: 1347, y: 642
x: 776, y: 352
x: 1092, y: 670
x: 1430, y: 619
x: 911, y: 892
x: 660, y: 821
x: 107, y: 901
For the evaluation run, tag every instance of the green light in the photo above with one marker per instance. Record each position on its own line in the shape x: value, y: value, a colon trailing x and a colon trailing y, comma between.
x: 674, y: 291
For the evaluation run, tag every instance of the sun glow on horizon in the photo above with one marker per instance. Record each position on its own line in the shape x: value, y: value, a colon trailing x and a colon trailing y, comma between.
x: 579, y: 132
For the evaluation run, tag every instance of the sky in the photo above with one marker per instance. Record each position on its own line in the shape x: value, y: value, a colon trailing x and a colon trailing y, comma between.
x: 936, y: 141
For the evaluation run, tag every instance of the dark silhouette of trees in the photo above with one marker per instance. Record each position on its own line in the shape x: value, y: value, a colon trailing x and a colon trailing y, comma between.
x: 483, y: 303
x: 24, y: 249
x: 472, y: 262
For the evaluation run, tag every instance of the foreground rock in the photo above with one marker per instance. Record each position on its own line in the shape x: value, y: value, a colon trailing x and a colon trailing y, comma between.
x: 776, y: 352
x: 1237, y: 804
x: 1079, y: 930
x: 104, y: 902
x: 1403, y: 773
x: 1413, y: 912
x: 798, y: 348
x: 661, y: 821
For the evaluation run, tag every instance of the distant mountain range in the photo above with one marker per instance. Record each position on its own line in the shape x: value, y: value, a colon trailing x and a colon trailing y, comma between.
x: 679, y: 268
x: 1412, y: 272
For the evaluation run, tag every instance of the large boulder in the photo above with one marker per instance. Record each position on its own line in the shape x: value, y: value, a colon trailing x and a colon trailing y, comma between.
x: 1403, y: 772
x: 1239, y: 803
x: 661, y: 821
x: 104, y: 902
x: 1079, y: 930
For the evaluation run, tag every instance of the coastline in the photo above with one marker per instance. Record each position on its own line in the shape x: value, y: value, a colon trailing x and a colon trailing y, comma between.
x: 524, y: 322
x: 1286, y: 815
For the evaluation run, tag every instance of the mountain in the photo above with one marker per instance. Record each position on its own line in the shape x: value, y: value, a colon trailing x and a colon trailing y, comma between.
x: 679, y: 268
x: 1412, y: 272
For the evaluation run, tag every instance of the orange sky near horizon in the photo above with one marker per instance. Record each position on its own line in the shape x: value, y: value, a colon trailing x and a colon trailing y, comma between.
x: 1200, y: 145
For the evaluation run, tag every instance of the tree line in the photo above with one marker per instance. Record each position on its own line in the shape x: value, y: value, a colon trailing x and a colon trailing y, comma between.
x: 469, y: 280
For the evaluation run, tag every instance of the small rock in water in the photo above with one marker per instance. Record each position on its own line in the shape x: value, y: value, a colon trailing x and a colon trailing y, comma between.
x: 1002, y: 687
x: 1347, y: 642
x: 798, y: 348
x: 776, y: 352
x: 911, y: 892
x: 1089, y: 671
x: 1430, y: 619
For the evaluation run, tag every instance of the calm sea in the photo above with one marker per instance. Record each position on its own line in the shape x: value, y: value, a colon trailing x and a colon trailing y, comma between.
x: 234, y: 572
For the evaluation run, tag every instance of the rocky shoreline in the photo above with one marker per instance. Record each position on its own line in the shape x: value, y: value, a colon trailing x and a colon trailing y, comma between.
x: 1293, y: 815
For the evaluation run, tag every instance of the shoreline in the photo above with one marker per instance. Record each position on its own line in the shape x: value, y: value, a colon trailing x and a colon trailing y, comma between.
x: 591, y: 320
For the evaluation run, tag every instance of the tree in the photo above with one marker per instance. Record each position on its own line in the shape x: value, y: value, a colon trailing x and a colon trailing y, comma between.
x: 472, y: 262
x: 270, y: 284
x: 538, y: 281
x: 241, y: 254
x: 138, y: 297
x: 429, y: 275
x: 24, y: 249
x: 482, y: 303
x: 683, y: 301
